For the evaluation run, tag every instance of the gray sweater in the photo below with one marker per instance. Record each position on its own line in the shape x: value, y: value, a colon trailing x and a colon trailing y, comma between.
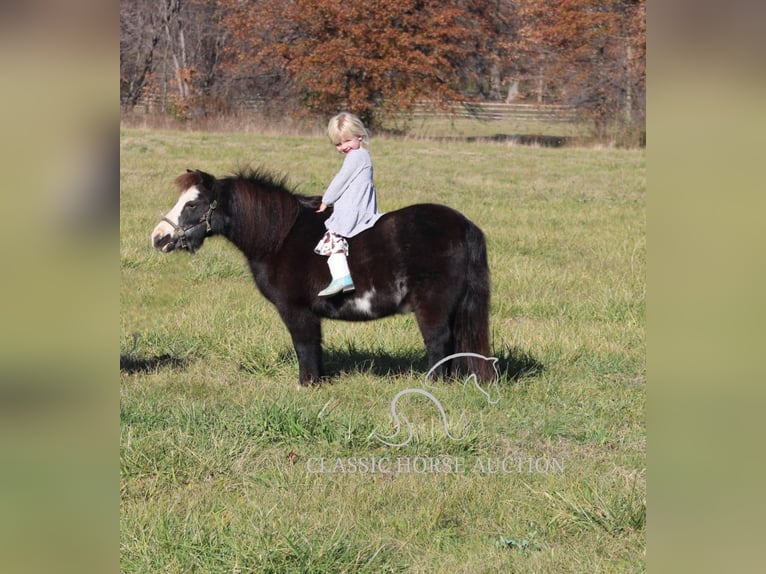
x: 352, y: 195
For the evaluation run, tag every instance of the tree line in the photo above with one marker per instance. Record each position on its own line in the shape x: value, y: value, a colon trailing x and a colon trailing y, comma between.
x: 380, y: 58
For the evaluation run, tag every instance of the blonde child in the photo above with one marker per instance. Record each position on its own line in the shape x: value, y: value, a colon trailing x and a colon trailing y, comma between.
x: 352, y: 195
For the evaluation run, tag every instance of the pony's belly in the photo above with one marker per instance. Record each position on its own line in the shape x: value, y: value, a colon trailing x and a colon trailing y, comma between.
x: 364, y: 305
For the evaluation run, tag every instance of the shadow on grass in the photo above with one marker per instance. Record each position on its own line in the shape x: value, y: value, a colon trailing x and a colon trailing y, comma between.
x: 380, y: 363
x: 513, y: 364
x: 131, y: 364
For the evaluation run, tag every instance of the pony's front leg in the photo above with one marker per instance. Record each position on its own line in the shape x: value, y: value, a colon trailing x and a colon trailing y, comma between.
x: 309, y: 362
x: 306, y: 332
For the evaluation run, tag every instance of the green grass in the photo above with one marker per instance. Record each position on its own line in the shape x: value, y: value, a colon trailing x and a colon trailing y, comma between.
x: 219, y: 445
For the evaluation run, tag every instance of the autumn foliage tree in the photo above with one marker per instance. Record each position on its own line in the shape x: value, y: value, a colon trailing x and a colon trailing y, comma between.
x: 380, y: 58
x: 586, y: 53
x: 374, y: 57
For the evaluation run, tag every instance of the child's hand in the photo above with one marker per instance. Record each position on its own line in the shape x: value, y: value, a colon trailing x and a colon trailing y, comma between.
x: 322, y: 207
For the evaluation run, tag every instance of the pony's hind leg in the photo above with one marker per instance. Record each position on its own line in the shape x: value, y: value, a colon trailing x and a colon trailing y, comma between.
x: 437, y: 336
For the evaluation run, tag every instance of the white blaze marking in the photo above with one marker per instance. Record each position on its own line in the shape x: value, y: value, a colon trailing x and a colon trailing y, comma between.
x: 163, y: 227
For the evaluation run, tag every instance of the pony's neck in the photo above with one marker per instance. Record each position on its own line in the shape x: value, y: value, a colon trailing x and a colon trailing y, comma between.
x: 262, y: 217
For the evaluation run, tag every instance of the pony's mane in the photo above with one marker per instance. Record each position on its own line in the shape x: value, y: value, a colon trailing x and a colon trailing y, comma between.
x: 263, y: 178
x: 268, y: 207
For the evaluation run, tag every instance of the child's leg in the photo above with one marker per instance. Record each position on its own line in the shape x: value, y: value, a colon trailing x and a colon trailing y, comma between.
x: 341, y: 275
x: 338, y: 265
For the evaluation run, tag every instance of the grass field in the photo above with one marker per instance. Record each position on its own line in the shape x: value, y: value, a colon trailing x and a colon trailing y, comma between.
x: 222, y: 454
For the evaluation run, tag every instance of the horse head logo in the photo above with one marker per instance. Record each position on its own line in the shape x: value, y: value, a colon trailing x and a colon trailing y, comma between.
x: 493, y: 397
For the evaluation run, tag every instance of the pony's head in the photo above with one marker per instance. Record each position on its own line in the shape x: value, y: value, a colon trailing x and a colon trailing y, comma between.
x: 193, y: 217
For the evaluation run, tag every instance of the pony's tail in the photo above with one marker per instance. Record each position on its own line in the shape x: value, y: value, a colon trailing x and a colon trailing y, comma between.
x: 470, y: 327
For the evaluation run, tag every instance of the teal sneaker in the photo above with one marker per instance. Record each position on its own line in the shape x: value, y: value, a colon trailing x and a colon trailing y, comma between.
x: 344, y: 284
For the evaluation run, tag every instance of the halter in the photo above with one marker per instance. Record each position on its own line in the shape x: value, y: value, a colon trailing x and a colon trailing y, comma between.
x: 181, y: 231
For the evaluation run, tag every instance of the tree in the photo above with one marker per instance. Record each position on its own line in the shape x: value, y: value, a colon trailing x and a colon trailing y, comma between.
x: 635, y: 33
x: 586, y: 53
x: 379, y: 58
x: 371, y: 57
x: 140, y: 33
x: 171, y: 49
x: 489, y: 61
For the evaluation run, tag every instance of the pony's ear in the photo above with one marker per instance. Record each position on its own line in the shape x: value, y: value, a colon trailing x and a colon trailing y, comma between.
x: 204, y: 180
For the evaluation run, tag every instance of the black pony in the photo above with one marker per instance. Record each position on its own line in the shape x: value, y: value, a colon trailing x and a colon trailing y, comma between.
x: 427, y: 259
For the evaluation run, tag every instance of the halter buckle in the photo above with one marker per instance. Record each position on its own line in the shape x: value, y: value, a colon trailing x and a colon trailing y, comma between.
x: 208, y: 213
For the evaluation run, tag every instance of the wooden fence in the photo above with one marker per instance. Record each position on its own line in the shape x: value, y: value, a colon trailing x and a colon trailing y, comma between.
x: 471, y: 110
x: 501, y: 111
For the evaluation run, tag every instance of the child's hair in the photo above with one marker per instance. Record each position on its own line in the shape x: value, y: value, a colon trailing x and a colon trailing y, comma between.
x: 346, y: 125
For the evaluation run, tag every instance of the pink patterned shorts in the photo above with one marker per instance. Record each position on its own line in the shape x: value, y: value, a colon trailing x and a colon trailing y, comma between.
x: 331, y: 243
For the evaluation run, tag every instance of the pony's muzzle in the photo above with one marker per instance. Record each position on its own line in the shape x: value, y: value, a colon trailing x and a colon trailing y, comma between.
x: 163, y: 239
x: 164, y: 244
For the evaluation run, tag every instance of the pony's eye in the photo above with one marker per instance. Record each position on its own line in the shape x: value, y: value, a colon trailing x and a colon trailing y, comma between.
x: 191, y: 205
